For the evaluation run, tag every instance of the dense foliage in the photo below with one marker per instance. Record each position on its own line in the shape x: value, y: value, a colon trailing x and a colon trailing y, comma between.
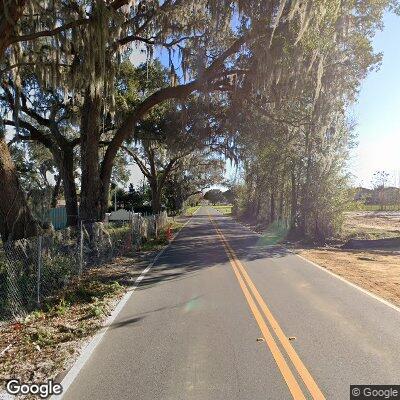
x: 274, y: 78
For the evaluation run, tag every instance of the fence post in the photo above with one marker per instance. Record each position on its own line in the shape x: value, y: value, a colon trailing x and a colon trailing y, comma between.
x: 39, y: 268
x: 132, y: 232
x: 81, y: 250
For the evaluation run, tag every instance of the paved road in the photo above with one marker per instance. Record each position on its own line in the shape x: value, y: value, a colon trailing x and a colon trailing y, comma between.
x: 190, y: 330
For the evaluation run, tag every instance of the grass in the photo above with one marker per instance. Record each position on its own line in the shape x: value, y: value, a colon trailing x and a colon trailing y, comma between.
x: 191, y: 210
x: 367, y: 233
x: 359, y: 206
x: 162, y: 239
x: 274, y: 234
x: 225, y: 210
x: 41, y: 345
x: 370, y: 225
x: 155, y: 244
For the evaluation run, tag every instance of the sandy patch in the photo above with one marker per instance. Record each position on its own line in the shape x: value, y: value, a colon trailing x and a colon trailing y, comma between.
x: 376, y: 271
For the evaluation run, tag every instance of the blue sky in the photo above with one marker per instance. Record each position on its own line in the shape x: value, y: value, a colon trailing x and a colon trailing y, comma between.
x: 377, y: 111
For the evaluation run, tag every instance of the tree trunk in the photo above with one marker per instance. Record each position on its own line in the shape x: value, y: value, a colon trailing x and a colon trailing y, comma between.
x: 105, y: 195
x: 155, y: 197
x: 64, y: 158
x: 305, y: 192
x: 91, y: 187
x: 56, y: 192
x: 281, y: 213
x: 16, y: 219
x: 71, y: 198
x: 10, y: 11
x: 272, y: 207
x: 65, y: 162
x: 293, y: 206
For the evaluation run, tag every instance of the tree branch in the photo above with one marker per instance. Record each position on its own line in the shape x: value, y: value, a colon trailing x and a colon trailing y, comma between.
x: 27, y: 64
x: 9, y: 18
x: 172, y: 92
x: 51, y: 32
x: 138, y: 161
x: 11, y: 101
x: 34, y: 133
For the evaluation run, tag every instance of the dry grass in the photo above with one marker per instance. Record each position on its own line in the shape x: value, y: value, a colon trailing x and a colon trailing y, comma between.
x: 226, y: 210
x: 371, y: 224
x: 42, y: 344
x: 376, y: 271
x: 162, y: 239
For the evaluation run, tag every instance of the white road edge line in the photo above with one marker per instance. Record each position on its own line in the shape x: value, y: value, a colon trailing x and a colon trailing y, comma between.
x: 90, y: 347
x: 365, y: 291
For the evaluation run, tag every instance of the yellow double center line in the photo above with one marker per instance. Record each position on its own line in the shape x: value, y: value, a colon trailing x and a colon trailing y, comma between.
x: 250, y: 291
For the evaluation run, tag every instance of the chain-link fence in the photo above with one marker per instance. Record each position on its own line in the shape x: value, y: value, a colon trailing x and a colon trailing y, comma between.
x: 34, y: 269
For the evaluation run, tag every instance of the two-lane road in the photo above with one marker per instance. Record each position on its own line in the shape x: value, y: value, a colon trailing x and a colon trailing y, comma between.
x: 221, y: 316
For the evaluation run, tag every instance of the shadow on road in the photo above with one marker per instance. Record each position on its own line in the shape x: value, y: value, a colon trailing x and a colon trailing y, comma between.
x: 249, y: 245
x: 198, y: 247
x: 125, y: 322
x: 141, y: 316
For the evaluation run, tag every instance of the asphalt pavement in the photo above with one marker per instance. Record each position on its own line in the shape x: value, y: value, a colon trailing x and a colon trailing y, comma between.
x: 221, y: 315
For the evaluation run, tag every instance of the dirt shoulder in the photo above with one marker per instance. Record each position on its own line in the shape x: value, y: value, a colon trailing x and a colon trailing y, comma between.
x: 376, y: 271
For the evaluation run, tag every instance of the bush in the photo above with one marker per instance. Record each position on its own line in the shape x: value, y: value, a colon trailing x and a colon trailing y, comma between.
x: 57, y: 271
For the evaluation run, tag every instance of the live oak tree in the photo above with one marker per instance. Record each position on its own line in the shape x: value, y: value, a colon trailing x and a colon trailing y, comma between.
x: 219, y: 45
x: 43, y: 117
x: 170, y: 132
x: 167, y: 137
x: 35, y: 168
x: 16, y: 220
x: 22, y: 23
x: 194, y: 174
x: 214, y: 196
x: 261, y: 48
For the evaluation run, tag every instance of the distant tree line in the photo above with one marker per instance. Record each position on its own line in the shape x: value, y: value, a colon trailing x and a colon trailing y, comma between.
x: 381, y: 196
